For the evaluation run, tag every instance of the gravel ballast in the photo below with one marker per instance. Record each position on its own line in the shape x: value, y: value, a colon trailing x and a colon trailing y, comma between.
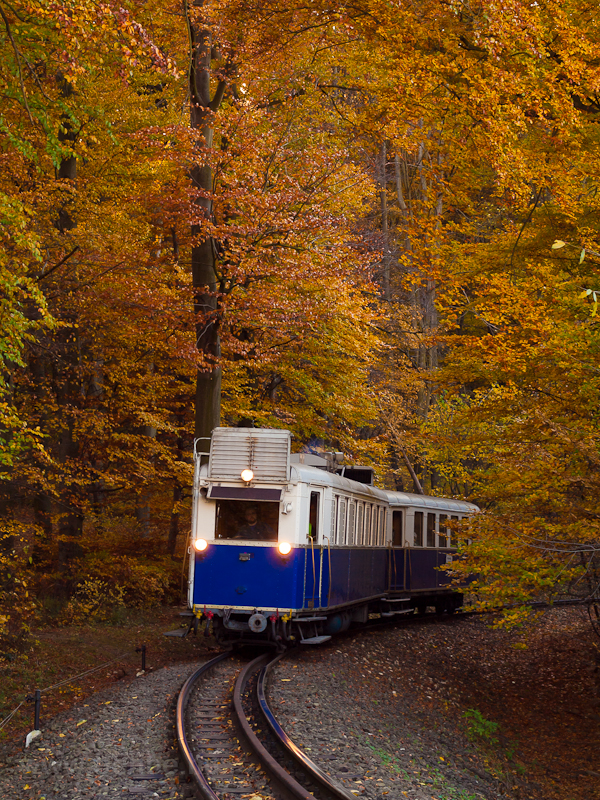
x: 120, y: 743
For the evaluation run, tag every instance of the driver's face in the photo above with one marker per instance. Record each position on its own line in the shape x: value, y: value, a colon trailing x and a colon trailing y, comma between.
x: 251, y: 516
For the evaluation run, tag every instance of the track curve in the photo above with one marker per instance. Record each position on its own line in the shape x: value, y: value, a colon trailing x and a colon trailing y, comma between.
x: 210, y: 729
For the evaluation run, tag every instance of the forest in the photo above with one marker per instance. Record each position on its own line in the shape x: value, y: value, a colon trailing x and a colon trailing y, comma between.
x: 374, y: 223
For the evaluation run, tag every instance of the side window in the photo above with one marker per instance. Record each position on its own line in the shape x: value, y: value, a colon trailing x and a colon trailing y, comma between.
x: 342, y: 521
x: 334, y: 512
x: 418, y: 529
x: 430, y: 530
x: 367, y: 537
x: 443, y: 535
x: 359, y: 524
x: 381, y: 541
x: 397, y: 528
x: 313, y: 517
x: 453, y: 537
x: 351, y: 521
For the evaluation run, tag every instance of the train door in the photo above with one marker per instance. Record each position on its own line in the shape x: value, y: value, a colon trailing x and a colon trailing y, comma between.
x: 313, y: 516
x: 313, y: 567
x: 397, y: 529
x: 396, y: 552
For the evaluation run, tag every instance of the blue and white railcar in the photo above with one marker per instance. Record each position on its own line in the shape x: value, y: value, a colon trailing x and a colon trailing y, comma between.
x: 285, y: 548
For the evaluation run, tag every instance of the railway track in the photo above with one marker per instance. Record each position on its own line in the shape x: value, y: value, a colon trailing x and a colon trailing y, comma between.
x: 231, y: 743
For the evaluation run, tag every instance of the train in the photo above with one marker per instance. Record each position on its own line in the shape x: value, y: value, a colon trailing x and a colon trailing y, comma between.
x: 293, y: 548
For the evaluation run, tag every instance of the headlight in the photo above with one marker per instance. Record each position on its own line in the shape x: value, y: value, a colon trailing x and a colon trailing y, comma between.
x: 247, y: 475
x: 285, y: 548
x: 200, y: 544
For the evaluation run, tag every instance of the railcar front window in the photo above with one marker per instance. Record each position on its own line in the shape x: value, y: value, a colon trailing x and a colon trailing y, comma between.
x: 242, y: 519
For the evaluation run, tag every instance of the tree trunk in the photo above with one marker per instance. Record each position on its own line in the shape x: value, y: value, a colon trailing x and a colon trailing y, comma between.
x: 204, y: 259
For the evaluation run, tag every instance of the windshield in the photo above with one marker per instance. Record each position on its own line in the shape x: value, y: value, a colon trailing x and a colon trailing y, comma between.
x: 240, y: 519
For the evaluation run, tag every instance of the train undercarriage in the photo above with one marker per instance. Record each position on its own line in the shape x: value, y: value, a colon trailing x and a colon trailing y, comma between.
x: 316, y: 627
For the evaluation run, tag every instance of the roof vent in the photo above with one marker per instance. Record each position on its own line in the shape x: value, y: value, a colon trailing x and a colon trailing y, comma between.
x: 265, y: 451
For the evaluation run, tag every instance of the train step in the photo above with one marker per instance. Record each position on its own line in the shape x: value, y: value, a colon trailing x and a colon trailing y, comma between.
x: 397, y: 600
x: 315, y: 640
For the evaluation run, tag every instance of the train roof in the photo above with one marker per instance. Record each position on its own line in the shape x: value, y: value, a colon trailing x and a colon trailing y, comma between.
x: 320, y: 477
x: 267, y: 452
x: 430, y: 501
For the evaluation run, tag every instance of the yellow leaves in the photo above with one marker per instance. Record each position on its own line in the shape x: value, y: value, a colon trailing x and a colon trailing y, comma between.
x: 558, y: 244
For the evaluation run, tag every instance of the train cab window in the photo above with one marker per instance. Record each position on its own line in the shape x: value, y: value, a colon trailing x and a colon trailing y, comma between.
x: 397, y: 528
x: 430, y: 530
x: 453, y: 536
x: 418, y: 529
x: 381, y: 537
x: 242, y: 519
x: 443, y: 535
x: 313, y: 517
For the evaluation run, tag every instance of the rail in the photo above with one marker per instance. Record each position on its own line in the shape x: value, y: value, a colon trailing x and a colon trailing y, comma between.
x: 278, y: 773
x: 309, y: 766
x: 184, y: 747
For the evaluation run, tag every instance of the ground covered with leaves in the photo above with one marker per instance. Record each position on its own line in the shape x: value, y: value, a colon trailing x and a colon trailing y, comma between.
x: 58, y: 655
x: 528, y: 702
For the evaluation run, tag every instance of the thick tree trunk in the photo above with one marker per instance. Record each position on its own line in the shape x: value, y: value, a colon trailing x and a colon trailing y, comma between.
x: 204, y: 260
x: 67, y: 170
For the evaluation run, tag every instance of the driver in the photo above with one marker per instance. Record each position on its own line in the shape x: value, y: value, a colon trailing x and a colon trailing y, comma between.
x: 254, y: 528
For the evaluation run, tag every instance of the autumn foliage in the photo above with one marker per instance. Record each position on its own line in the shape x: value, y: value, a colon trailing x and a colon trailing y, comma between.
x: 339, y: 220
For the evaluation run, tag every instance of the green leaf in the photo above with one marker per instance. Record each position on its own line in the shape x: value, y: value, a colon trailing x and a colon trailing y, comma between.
x: 558, y: 244
x: 585, y: 293
x: 582, y: 256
